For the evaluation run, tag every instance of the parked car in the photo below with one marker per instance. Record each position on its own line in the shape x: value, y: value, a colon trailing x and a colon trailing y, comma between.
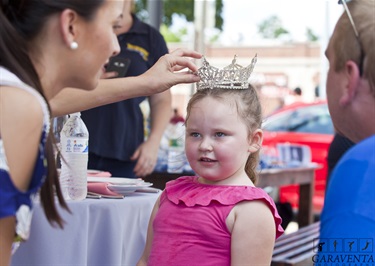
x: 308, y: 124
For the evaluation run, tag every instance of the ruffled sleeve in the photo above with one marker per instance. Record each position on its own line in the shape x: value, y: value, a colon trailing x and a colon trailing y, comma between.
x: 189, y: 191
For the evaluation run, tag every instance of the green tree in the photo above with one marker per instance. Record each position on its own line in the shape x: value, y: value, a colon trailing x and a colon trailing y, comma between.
x: 311, y: 36
x: 271, y: 28
x: 171, y: 36
x: 184, y: 8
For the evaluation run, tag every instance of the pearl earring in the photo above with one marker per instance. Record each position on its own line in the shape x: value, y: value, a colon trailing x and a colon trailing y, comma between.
x: 73, y: 45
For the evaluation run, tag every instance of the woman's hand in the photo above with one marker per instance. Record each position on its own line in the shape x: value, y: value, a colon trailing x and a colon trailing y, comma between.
x: 167, y: 70
x: 146, y: 156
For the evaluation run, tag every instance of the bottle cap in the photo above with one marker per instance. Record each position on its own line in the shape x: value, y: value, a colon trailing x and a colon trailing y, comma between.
x: 75, y: 114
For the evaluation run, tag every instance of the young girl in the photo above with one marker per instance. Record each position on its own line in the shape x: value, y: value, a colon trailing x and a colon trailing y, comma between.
x: 217, y: 217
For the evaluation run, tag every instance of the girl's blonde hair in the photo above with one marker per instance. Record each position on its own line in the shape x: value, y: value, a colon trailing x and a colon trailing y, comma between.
x: 248, y: 109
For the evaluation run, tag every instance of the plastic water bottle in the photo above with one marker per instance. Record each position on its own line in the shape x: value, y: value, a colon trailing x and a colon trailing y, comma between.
x: 162, y: 161
x: 57, y: 125
x: 74, y: 138
x: 176, y: 156
x: 176, y: 150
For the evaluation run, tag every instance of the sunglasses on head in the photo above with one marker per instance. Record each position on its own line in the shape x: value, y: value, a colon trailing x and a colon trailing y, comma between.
x: 347, y: 11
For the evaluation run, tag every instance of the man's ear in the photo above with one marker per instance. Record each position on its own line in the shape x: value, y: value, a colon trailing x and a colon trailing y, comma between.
x: 353, y: 77
x: 69, y: 26
x: 256, y: 141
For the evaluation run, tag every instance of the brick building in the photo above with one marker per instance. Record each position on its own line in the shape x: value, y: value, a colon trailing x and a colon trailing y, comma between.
x: 280, y: 68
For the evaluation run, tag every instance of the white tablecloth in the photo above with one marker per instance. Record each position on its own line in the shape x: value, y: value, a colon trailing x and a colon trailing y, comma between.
x: 98, y: 232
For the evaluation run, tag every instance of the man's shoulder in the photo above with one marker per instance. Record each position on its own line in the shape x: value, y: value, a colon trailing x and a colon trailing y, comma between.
x: 364, y: 150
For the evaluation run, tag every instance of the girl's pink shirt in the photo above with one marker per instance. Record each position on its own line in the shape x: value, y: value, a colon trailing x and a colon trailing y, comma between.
x: 190, y: 227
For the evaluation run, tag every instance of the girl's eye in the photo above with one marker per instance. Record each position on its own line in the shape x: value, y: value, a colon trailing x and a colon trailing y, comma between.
x: 220, y: 134
x: 195, y: 134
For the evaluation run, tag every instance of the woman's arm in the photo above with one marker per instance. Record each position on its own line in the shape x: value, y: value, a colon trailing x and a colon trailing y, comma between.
x: 20, y: 131
x: 147, y: 152
x: 162, y: 76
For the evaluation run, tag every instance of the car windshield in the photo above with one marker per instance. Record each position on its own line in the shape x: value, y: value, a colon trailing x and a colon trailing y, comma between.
x: 308, y: 119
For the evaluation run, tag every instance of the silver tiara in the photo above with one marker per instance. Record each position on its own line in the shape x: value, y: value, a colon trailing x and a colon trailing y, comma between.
x: 233, y: 76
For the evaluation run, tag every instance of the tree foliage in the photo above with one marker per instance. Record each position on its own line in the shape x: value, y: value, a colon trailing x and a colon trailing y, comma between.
x: 171, y: 36
x: 311, y: 36
x: 271, y: 28
x: 184, y: 8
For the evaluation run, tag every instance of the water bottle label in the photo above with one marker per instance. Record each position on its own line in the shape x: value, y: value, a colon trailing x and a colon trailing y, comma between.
x: 176, y: 142
x: 75, y: 145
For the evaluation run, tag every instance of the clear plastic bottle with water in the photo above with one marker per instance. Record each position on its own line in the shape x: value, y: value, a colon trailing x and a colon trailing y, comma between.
x: 74, y: 138
x: 176, y: 150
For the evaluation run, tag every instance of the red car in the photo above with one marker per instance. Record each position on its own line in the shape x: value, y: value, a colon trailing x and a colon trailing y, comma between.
x: 308, y: 124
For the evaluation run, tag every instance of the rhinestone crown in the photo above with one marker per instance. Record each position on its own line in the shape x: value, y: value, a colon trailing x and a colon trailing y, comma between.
x: 233, y: 76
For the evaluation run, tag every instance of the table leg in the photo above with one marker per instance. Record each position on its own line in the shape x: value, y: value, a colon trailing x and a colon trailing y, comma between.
x: 305, y: 211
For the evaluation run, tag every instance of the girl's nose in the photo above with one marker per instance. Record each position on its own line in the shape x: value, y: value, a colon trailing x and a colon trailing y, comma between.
x: 205, y: 145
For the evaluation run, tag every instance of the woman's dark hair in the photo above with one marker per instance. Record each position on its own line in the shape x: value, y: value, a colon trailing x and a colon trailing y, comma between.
x: 248, y: 109
x: 21, y: 21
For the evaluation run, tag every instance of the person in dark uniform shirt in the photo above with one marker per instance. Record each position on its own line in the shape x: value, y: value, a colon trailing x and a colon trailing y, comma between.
x: 116, y: 131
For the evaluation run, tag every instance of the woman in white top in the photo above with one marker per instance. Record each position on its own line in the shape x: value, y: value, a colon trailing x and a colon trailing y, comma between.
x: 46, y: 46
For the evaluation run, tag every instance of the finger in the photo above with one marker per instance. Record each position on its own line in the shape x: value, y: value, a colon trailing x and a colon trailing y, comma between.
x: 135, y: 156
x: 146, y: 170
x: 186, y: 52
x: 186, y: 77
x: 140, y: 165
x: 178, y: 68
x: 137, y: 168
x: 143, y: 166
x: 107, y: 75
x: 149, y: 170
x: 181, y: 63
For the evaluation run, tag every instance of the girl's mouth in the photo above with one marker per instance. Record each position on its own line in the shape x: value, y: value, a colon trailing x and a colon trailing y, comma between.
x: 208, y: 160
